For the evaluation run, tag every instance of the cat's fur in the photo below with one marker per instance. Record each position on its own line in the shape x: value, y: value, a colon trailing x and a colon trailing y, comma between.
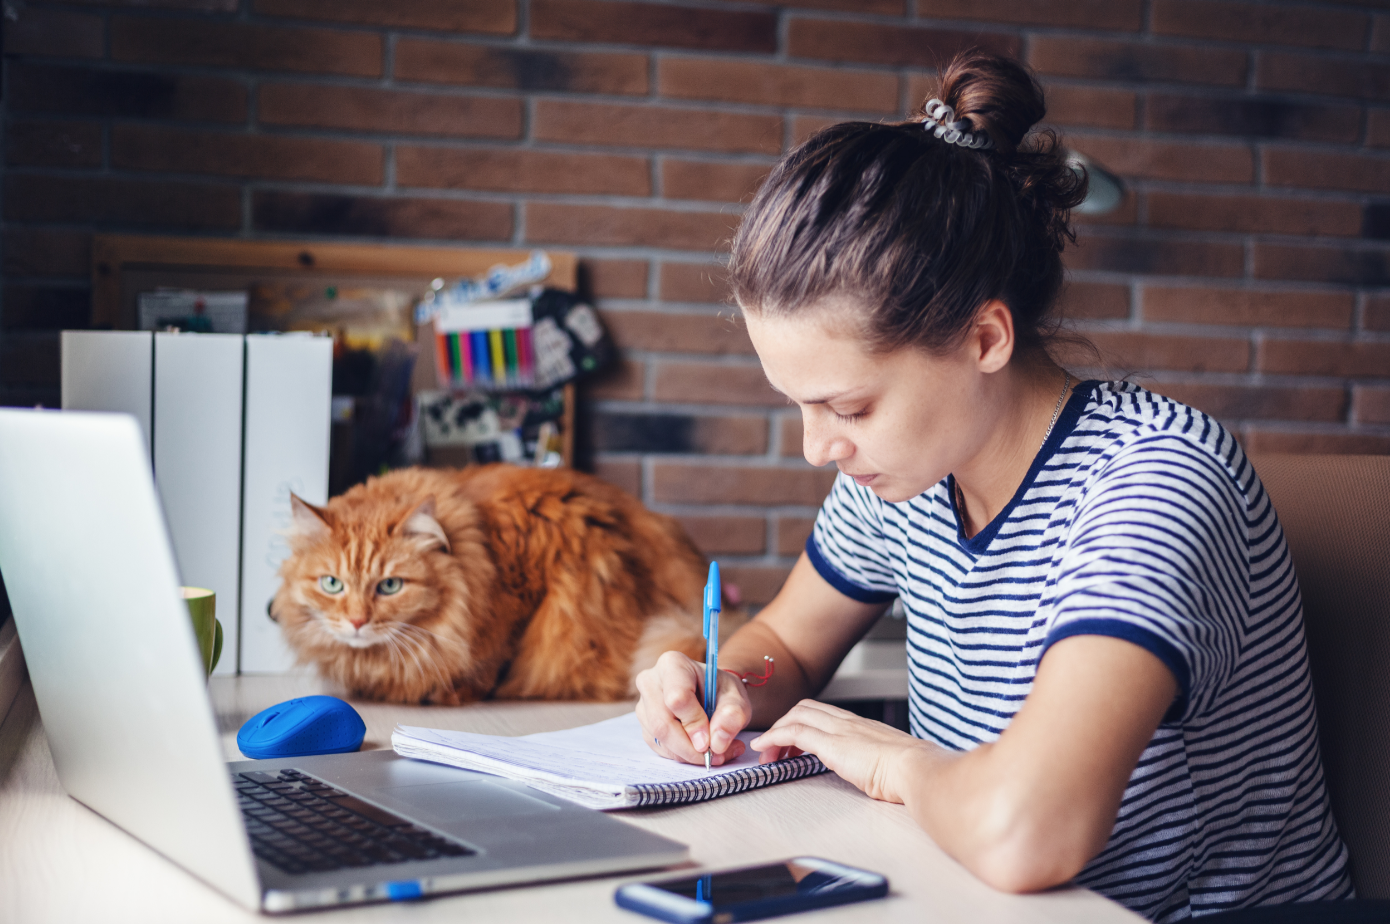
x: 517, y: 583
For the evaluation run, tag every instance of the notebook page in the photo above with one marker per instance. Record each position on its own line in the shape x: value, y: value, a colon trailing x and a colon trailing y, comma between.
x: 607, y: 754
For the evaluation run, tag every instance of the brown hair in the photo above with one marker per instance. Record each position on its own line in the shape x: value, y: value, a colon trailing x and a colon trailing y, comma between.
x: 919, y: 231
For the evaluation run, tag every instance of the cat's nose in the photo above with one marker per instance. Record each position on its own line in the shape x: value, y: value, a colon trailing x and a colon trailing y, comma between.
x: 358, y: 623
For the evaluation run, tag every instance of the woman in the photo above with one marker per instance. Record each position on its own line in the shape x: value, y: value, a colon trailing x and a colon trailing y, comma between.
x: 1109, y: 682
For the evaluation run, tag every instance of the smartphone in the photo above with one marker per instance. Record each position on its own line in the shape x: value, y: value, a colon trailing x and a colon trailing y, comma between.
x: 752, y: 892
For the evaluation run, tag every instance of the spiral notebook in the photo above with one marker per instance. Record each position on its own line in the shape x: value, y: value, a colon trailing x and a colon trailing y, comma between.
x: 604, y: 766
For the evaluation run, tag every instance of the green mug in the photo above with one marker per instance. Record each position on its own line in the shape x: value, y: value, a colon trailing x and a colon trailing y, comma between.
x: 202, y: 608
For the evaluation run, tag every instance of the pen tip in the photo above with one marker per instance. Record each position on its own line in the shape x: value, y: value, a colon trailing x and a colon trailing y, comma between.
x: 707, y: 761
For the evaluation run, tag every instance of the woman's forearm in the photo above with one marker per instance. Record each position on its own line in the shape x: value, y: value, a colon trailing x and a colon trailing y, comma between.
x: 743, y: 653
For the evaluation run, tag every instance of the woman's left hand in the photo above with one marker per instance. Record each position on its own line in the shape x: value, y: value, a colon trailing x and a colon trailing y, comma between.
x: 868, y: 754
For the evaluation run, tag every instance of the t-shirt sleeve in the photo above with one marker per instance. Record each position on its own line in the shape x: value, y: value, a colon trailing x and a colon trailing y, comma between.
x: 1158, y: 555
x: 847, y: 545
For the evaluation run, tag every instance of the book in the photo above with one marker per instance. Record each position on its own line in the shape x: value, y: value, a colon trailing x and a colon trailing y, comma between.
x: 603, y: 766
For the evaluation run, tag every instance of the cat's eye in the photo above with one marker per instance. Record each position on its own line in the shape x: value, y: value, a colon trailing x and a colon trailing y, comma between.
x: 389, y: 586
x: 330, y: 584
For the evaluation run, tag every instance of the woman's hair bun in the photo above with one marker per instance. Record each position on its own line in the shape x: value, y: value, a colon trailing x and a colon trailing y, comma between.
x: 995, y: 95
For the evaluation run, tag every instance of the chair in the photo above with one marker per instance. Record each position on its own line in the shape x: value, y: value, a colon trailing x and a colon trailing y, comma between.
x: 1335, y: 511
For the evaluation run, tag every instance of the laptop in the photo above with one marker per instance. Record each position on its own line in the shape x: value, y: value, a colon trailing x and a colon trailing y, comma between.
x: 121, y: 691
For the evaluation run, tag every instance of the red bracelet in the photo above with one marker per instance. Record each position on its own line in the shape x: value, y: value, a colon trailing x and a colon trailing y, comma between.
x: 758, y: 681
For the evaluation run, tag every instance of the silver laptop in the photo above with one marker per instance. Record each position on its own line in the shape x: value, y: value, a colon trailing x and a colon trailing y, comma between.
x: 115, y: 667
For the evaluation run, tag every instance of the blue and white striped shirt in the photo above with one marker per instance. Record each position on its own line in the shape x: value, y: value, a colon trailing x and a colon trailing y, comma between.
x: 1139, y: 519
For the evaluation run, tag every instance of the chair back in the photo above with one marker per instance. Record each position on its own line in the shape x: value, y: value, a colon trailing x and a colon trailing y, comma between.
x: 1335, y: 511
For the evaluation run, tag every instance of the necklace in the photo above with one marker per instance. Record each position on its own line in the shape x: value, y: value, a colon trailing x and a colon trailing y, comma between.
x: 1057, y: 409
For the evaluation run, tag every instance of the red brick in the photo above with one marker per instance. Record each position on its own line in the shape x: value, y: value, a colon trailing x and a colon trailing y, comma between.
x: 623, y: 473
x: 436, y: 61
x: 1151, y: 257
x: 513, y: 170
x: 53, y: 144
x: 1094, y: 107
x: 46, y: 252
x: 1322, y: 443
x: 1261, y: 23
x: 613, y: 278
x: 1377, y: 313
x: 1248, y: 307
x: 366, y: 109
x: 716, y: 181
x: 695, y: 282
x: 760, y: 486
x: 381, y: 216
x: 1325, y: 357
x: 756, y: 585
x: 1378, y: 128
x: 199, y: 6
x: 625, y: 431
x: 622, y: 381
x: 804, y: 127
x: 729, y: 436
x: 1331, y: 77
x: 29, y: 358
x: 738, y: 81
x: 1168, y: 160
x: 792, y: 533
x: 656, y: 127
x: 1090, y: 301
x: 159, y: 203
x: 1254, y: 214
x: 1326, y: 170
x: 653, y: 24
x: 166, y: 150
x: 1342, y: 265
x: 678, y: 332
x: 1372, y: 404
x: 727, y: 535
x: 883, y: 7
x: 1126, y: 351
x: 598, y: 225
x: 130, y: 94
x: 891, y: 45
x: 46, y: 307
x: 1258, y: 402
x: 1260, y: 117
x: 710, y: 383
x: 1380, y: 34
x: 1121, y: 16
x: 224, y: 43
x: 1069, y: 56
x: 493, y: 16
x: 1124, y: 214
x: 792, y: 436
x: 53, y: 32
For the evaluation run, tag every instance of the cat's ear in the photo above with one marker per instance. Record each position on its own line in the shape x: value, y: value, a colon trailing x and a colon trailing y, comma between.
x: 422, y: 523
x: 309, y: 521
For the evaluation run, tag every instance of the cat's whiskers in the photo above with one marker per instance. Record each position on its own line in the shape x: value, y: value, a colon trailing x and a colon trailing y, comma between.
x: 411, y: 644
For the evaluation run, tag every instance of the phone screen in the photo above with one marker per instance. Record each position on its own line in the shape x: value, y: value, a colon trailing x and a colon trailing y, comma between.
x: 761, y: 883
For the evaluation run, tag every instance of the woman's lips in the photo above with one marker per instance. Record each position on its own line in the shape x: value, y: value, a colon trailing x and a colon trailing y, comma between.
x: 863, y: 480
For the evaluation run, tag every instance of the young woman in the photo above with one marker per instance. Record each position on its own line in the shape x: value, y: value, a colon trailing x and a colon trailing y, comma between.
x: 1109, y: 683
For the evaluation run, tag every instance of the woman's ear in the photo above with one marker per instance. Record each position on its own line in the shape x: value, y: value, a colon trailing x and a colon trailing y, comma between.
x: 422, y: 524
x: 993, y: 336
x: 309, y: 522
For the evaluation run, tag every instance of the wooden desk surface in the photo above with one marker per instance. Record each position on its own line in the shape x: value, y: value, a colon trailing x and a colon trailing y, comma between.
x: 60, y: 862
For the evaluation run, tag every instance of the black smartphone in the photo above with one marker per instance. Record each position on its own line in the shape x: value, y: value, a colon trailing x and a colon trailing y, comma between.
x: 752, y: 892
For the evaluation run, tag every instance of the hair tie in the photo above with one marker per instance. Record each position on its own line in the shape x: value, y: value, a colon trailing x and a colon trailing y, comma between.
x: 941, y: 121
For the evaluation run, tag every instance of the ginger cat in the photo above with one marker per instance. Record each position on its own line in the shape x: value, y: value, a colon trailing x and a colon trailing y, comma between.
x: 450, y: 586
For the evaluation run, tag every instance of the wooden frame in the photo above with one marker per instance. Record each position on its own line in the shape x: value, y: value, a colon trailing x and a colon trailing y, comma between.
x: 115, y: 255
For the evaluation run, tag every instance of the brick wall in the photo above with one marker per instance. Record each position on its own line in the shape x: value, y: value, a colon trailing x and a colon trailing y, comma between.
x: 1246, y: 273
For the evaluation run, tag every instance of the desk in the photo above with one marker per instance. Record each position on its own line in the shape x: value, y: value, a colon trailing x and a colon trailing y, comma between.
x: 60, y: 862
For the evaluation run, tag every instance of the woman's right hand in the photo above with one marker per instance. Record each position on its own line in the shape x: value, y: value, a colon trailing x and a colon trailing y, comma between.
x: 671, y: 710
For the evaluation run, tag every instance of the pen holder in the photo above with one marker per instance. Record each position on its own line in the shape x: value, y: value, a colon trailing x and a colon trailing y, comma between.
x: 202, y: 609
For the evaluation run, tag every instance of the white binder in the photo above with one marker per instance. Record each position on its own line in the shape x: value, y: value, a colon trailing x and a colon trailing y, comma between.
x: 109, y: 370
x: 286, y: 444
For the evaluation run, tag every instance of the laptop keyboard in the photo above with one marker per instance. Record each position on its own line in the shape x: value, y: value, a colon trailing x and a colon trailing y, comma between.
x: 302, y: 825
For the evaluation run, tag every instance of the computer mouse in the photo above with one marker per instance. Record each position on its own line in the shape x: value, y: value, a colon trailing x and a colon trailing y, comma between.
x: 301, y: 727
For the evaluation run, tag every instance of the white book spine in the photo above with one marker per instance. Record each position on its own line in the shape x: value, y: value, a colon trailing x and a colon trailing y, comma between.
x: 288, y: 397
x: 109, y: 370
x: 197, y: 464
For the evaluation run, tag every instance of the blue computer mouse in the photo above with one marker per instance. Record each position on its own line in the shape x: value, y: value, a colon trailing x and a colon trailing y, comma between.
x: 300, y: 727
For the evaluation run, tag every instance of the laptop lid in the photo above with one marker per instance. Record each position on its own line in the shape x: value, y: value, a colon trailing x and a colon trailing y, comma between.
x: 111, y: 653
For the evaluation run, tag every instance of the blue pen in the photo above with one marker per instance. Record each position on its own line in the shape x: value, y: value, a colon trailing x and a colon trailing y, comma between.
x: 712, y: 605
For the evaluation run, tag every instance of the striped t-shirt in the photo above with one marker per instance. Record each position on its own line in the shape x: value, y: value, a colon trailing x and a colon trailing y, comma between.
x: 1139, y: 519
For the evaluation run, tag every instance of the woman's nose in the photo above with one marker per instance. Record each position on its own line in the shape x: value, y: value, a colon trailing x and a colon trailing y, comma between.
x: 821, y: 445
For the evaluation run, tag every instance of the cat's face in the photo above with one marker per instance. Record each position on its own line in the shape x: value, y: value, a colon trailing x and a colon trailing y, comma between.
x: 360, y: 579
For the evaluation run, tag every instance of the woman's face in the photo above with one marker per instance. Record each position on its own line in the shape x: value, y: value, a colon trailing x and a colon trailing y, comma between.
x: 896, y: 422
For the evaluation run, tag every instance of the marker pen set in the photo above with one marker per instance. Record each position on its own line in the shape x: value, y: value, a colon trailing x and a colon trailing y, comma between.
x: 486, y: 345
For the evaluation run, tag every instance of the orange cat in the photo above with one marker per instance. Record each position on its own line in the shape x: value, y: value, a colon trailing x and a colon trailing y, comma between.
x: 449, y: 586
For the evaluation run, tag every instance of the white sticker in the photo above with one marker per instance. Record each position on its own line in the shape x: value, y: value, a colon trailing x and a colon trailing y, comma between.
x: 582, y: 320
